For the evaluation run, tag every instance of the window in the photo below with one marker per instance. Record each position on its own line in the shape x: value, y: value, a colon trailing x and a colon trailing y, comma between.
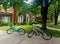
x: 6, y: 19
x: 27, y: 18
x: 33, y: 18
x: 20, y: 19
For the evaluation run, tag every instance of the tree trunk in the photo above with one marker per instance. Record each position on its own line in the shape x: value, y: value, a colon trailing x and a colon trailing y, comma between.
x: 44, y: 11
x: 56, y: 17
x: 15, y: 16
x: 51, y: 18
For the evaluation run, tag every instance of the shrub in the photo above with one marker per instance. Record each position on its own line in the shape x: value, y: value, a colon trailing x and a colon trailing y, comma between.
x: 9, y: 23
x: 21, y: 23
x: 1, y: 23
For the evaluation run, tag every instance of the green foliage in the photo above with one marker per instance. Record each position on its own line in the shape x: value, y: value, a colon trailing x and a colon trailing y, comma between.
x: 21, y: 23
x: 35, y: 9
x: 39, y: 2
x: 52, y: 7
x: 0, y: 23
x: 3, y: 23
x: 51, y: 10
x: 5, y: 4
x: 0, y: 2
x: 17, y: 3
x: 9, y: 23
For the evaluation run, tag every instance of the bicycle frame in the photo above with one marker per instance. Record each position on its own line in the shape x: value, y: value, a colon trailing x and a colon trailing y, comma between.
x: 35, y: 29
x: 15, y: 29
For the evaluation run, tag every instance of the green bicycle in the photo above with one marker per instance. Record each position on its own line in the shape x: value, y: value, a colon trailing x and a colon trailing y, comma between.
x: 37, y: 31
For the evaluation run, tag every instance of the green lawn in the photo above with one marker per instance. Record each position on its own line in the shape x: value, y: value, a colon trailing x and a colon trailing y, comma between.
x: 55, y: 33
x: 26, y: 27
x: 54, y: 26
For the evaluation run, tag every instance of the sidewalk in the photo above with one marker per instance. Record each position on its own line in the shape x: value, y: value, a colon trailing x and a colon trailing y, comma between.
x: 15, y: 38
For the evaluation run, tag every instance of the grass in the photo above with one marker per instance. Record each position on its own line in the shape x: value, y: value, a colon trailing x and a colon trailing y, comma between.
x: 53, y: 26
x: 55, y: 33
x: 25, y: 27
x: 4, y: 27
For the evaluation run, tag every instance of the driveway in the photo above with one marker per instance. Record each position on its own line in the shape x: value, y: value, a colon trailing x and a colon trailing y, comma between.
x: 15, y: 38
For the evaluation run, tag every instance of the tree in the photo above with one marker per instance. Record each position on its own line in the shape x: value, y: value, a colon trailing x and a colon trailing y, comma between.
x: 56, y: 11
x: 58, y: 5
x: 51, y: 12
x: 15, y: 4
x: 5, y: 4
x: 0, y: 4
x: 44, y: 11
x: 35, y: 9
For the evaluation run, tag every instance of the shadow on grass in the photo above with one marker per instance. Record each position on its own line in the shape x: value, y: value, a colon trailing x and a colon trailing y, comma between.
x: 55, y: 33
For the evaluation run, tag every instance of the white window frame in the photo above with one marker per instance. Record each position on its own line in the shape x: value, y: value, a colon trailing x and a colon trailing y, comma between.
x: 20, y: 18
x: 27, y: 18
x: 33, y: 18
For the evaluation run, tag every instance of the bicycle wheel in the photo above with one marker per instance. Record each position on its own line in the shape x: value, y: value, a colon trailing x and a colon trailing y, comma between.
x: 9, y: 31
x: 30, y: 34
x: 46, y: 35
x: 21, y: 31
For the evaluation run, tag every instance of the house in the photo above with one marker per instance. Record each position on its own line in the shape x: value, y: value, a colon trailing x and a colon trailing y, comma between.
x: 9, y: 16
x: 5, y: 17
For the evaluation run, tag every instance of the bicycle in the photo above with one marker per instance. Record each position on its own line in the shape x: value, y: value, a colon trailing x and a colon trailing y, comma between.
x: 12, y: 29
x: 37, y: 31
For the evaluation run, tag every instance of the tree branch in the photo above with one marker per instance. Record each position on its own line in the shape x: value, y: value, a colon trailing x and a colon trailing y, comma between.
x: 49, y: 3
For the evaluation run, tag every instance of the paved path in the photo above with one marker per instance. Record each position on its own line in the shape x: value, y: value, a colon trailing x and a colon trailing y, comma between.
x: 49, y: 27
x: 15, y: 38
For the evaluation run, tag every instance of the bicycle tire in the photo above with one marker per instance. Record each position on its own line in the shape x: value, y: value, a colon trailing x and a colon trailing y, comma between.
x: 21, y: 31
x: 48, y: 34
x: 9, y: 31
x: 30, y: 33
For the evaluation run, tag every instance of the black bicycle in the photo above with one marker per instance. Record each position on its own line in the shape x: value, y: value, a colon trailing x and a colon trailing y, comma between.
x: 37, y: 31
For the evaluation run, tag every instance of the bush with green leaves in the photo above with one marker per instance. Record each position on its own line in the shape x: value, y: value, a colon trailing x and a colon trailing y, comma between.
x: 0, y: 22
x: 21, y: 23
x: 9, y: 23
